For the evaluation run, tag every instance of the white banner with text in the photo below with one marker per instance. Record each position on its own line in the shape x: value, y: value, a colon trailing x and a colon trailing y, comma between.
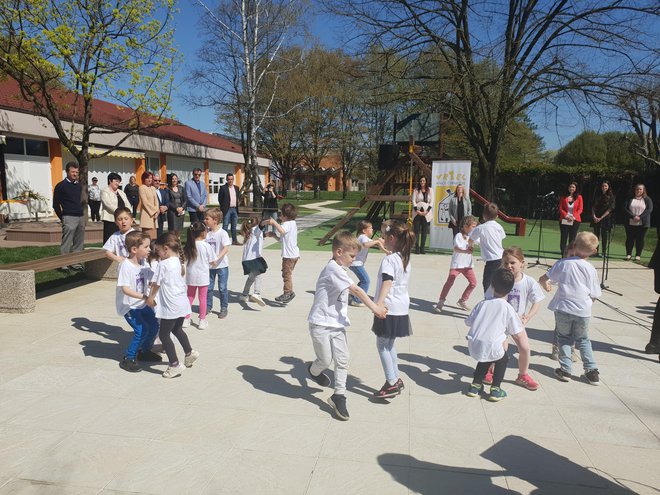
x: 447, y: 174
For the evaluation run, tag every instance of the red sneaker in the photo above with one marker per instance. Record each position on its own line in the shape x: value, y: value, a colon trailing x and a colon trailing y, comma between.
x: 488, y: 379
x: 527, y: 382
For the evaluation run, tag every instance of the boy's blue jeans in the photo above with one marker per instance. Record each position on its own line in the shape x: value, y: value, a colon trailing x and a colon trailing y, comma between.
x: 363, y: 279
x: 223, y: 275
x: 145, y: 328
x: 573, y: 329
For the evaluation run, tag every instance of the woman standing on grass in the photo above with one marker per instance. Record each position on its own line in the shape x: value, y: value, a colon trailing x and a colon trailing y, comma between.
x: 570, y: 211
x: 601, y: 215
x: 638, y: 221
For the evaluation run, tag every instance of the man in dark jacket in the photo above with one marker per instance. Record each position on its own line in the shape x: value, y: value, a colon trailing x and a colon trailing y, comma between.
x: 67, y: 203
x: 229, y: 197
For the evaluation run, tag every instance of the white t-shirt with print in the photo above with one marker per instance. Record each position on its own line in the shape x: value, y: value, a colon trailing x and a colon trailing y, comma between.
x: 135, y: 277
x: 171, y: 299
x: 525, y: 292
x: 397, y: 300
x: 116, y: 244
x: 361, y: 258
x: 290, y: 240
x: 197, y: 270
x: 218, y: 239
x: 578, y: 285
x: 330, y: 306
x: 489, y: 236
x: 461, y: 260
x: 254, y: 245
x: 490, y: 322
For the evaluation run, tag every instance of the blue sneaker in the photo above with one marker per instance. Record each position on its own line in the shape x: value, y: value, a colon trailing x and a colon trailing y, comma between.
x: 474, y: 390
x: 496, y: 394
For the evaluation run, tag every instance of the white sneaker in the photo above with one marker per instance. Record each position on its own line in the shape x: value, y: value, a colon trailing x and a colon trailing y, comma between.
x: 438, y: 307
x: 243, y: 298
x: 190, y: 359
x: 173, y: 371
x: 203, y: 324
x: 186, y: 323
x: 257, y: 299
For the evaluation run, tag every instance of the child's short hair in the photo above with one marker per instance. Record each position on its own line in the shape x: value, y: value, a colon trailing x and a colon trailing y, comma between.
x: 465, y: 221
x: 215, y: 214
x: 363, y: 225
x: 290, y: 211
x: 345, y: 240
x: 514, y: 251
x: 490, y: 211
x: 585, y: 244
x: 502, y: 281
x: 134, y: 239
x: 121, y: 210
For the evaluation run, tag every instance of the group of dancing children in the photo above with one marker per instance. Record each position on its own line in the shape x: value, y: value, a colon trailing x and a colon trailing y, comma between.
x: 158, y: 280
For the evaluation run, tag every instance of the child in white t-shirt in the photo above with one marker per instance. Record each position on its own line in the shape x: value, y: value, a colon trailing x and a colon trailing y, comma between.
x: 461, y: 264
x: 328, y: 319
x: 132, y: 279
x: 490, y: 322
x: 526, y: 292
x: 254, y: 265
x: 578, y: 287
x: 200, y: 258
x: 288, y: 236
x: 219, y: 241
x: 168, y: 298
x: 365, y: 232
x: 115, y: 246
x: 489, y: 236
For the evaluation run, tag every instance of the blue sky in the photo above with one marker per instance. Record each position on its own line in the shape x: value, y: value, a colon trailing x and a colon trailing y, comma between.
x: 555, y: 129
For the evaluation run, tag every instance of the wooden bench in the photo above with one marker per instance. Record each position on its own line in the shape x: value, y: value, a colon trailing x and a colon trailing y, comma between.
x: 17, y: 282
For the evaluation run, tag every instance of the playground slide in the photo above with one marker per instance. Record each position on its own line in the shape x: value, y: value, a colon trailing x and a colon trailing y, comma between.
x: 519, y: 222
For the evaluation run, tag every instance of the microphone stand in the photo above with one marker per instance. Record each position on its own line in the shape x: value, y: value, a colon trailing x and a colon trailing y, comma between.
x: 538, y: 247
x: 606, y: 261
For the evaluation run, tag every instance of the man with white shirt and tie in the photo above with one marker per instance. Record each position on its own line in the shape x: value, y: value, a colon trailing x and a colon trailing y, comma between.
x: 228, y: 198
x: 163, y: 200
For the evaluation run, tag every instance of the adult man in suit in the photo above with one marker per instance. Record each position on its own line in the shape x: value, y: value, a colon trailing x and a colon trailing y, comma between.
x: 228, y: 198
x: 196, y: 197
x: 163, y: 200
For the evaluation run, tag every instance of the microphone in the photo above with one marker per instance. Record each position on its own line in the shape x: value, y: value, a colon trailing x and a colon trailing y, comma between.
x: 501, y: 189
x: 549, y: 194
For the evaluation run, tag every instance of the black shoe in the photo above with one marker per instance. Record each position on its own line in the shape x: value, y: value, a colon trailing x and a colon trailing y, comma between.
x: 562, y: 375
x: 651, y: 349
x: 422, y: 251
x: 400, y: 385
x: 280, y: 297
x: 129, y: 365
x: 236, y: 243
x: 287, y: 298
x: 387, y: 391
x: 321, y: 379
x: 338, y: 403
x: 149, y: 356
x: 592, y: 377
x: 416, y: 249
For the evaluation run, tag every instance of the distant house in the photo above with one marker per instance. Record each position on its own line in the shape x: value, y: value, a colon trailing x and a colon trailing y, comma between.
x: 328, y: 179
x: 32, y: 157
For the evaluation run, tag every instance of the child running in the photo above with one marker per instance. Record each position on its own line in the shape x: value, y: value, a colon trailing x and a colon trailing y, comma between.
x: 288, y: 235
x: 490, y: 322
x: 132, y: 279
x: 365, y: 231
x: 219, y: 241
x: 489, y: 236
x: 578, y: 287
x: 525, y: 292
x: 168, y: 297
x: 254, y: 266
x: 200, y: 257
x: 461, y: 264
x: 392, y: 292
x: 328, y: 319
x: 115, y: 246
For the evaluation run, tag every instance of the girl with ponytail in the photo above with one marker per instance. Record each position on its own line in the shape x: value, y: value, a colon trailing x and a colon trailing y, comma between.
x: 200, y: 259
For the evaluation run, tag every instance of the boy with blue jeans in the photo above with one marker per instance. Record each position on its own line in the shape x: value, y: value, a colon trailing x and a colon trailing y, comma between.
x: 219, y: 240
x: 578, y: 287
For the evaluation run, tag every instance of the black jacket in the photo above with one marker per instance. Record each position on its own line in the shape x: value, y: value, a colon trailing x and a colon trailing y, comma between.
x: 223, y: 197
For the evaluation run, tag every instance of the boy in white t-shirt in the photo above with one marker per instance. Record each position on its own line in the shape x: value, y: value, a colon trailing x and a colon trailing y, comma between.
x: 288, y: 236
x: 489, y: 236
x: 115, y: 246
x: 578, y: 287
x: 490, y: 322
x: 328, y: 319
x: 219, y: 240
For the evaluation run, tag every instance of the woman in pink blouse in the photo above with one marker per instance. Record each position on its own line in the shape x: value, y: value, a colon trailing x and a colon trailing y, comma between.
x: 638, y: 221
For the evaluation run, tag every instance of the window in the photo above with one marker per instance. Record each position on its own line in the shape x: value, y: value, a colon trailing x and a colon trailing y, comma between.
x: 36, y: 148
x: 14, y: 146
x: 153, y: 164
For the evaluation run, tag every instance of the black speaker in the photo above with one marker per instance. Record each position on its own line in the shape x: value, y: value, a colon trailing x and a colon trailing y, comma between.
x: 388, y: 154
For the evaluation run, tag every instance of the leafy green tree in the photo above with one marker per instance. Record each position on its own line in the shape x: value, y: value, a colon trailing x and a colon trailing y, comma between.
x: 587, y: 148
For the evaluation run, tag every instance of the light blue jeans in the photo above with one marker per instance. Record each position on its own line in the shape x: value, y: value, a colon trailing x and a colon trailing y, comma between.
x: 574, y: 329
x: 363, y: 279
x: 223, y: 275
x: 388, y: 358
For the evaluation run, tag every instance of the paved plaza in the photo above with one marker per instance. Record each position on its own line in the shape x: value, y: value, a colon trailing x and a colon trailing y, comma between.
x: 245, y: 419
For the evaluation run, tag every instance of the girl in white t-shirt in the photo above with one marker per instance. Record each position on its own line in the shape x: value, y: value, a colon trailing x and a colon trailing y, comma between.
x: 200, y: 258
x: 168, y: 298
x: 365, y: 232
x: 461, y: 264
x: 254, y: 266
x: 525, y: 298
x: 392, y: 292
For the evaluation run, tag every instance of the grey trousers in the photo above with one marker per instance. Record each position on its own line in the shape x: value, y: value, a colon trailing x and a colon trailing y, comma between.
x: 73, y: 234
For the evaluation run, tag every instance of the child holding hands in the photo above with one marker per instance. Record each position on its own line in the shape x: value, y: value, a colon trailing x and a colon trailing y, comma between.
x: 219, y: 241
x: 288, y: 236
x: 365, y: 231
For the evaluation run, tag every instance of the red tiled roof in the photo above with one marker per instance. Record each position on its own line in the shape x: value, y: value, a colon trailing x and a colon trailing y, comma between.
x: 113, y: 116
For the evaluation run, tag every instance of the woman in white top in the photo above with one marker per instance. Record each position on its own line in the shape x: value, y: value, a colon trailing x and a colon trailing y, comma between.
x: 422, y: 202
x: 638, y: 221
x: 112, y: 198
